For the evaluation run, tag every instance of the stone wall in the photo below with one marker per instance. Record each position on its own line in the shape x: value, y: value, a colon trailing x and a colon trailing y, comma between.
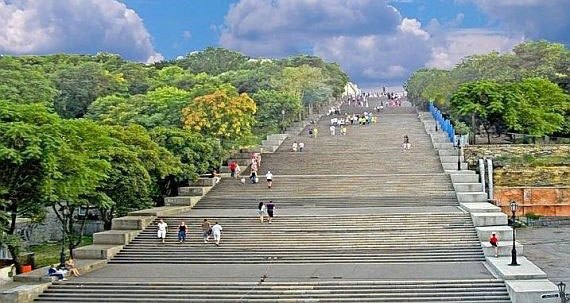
x: 542, y: 201
x: 50, y: 229
x: 525, y: 165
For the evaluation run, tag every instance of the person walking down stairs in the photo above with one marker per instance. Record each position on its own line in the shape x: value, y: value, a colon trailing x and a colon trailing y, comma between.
x: 162, y: 228
x: 495, y: 243
x: 182, y: 232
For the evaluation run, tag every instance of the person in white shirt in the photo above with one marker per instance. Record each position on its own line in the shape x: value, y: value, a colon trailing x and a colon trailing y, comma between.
x: 294, y: 147
x: 162, y: 228
x: 217, y: 231
x: 332, y: 130
x: 301, y: 146
x: 269, y: 177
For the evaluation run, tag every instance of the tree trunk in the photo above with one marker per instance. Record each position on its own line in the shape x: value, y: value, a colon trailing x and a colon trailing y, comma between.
x: 14, y: 249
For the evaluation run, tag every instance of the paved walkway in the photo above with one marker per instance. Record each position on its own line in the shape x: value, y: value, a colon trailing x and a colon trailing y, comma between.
x: 290, y: 272
x: 549, y: 249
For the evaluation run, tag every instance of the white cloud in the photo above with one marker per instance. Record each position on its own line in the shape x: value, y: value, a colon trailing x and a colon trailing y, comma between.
x: 74, y: 26
x: 282, y: 27
x: 377, y: 60
x: 450, y: 47
x: 370, y: 39
x: 536, y: 19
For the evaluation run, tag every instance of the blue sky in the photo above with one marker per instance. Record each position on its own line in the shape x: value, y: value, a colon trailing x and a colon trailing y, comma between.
x: 377, y: 42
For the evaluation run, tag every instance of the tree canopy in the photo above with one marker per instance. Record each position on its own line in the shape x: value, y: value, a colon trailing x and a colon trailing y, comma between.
x: 98, y: 131
x: 525, y: 91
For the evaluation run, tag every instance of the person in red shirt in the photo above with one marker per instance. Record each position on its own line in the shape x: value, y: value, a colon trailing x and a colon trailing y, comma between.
x: 233, y: 167
x: 495, y: 243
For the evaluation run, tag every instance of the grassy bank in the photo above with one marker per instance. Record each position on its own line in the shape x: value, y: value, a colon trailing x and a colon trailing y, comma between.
x: 48, y: 253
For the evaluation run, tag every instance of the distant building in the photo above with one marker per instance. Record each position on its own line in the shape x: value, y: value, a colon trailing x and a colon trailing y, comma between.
x: 351, y: 89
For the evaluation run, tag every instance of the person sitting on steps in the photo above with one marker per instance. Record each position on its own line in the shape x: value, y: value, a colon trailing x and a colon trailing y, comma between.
x: 70, y: 265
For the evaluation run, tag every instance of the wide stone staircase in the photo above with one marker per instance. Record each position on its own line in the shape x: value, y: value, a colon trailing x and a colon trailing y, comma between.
x: 330, y: 291
x: 358, y: 219
x: 318, y: 239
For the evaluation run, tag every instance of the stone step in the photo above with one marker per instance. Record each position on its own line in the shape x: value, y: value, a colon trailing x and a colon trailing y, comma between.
x: 472, y: 197
x: 450, y: 159
x: 479, y: 207
x: 454, y: 166
x: 465, y: 177
x: 489, y: 219
x: 468, y: 187
x: 505, y: 248
x: 182, y: 200
x: 470, y: 291
x: 204, y: 182
x: 443, y: 145
x: 281, y: 137
x: 193, y: 190
x: 270, y: 148
x: 504, y: 233
x: 274, y: 142
x: 448, y: 152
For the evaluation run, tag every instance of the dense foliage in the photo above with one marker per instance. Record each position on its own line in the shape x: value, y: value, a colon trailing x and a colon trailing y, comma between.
x: 102, y: 132
x: 525, y: 91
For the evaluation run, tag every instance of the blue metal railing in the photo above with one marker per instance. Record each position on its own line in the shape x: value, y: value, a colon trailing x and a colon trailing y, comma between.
x: 445, y: 124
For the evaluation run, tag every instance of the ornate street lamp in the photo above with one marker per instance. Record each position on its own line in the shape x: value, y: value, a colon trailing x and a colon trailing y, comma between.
x: 562, y: 292
x: 514, y: 207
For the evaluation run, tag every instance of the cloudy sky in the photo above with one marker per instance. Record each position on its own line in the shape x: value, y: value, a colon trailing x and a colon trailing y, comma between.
x: 378, y: 42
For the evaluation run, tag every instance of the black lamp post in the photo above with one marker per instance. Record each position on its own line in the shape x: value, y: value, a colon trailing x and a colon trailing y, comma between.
x: 514, y: 207
x: 562, y: 292
x: 459, y: 152
x: 64, y: 214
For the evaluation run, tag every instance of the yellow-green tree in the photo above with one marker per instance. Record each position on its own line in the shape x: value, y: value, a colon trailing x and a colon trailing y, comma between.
x: 224, y: 114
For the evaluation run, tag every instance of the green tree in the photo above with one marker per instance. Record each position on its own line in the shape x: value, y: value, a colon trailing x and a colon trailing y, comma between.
x: 212, y: 61
x: 160, y: 107
x: 542, y: 59
x: 223, y: 114
x: 139, y: 78
x: 23, y: 84
x: 29, y: 148
x: 198, y: 154
x: 481, y: 101
x: 491, y: 66
x: 81, y: 171
x: 540, y: 108
x: 276, y: 110
x: 44, y: 160
x: 80, y: 85
x: 138, y: 164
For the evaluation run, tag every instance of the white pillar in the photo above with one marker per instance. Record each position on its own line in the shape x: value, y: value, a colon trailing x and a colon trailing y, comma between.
x: 490, y: 177
x: 482, y: 173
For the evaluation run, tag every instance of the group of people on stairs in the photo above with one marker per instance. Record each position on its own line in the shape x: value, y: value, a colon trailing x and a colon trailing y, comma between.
x: 208, y: 230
